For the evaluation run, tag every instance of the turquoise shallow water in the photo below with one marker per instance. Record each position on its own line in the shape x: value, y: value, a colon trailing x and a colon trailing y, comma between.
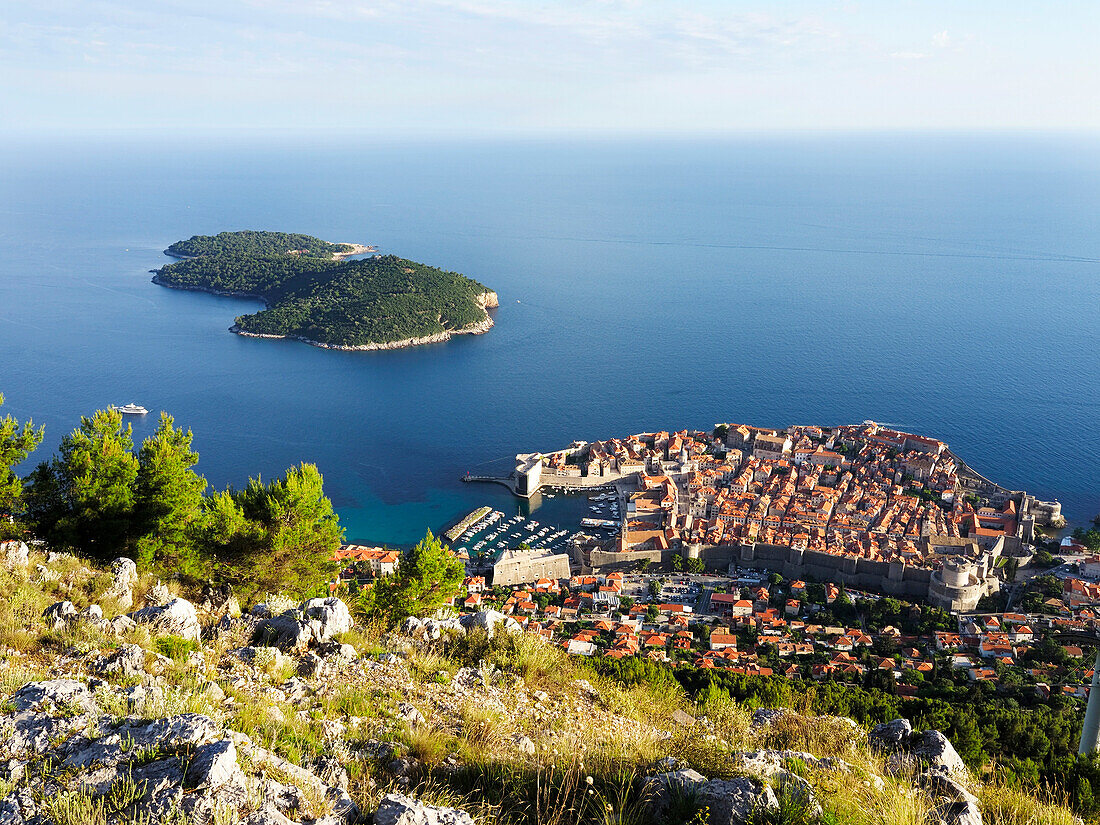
x: 949, y: 285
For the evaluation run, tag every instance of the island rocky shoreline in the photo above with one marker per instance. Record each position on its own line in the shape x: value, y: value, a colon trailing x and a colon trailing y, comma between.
x: 377, y: 298
x: 488, y: 300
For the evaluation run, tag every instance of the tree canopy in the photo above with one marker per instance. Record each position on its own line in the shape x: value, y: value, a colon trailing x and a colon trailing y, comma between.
x: 168, y: 499
x: 83, y: 498
x: 250, y: 242
x: 294, y: 533
x: 427, y: 577
x: 100, y: 498
x: 17, y: 441
x: 378, y: 300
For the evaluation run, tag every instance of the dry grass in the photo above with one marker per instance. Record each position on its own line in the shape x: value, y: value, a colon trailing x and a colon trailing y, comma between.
x: 568, y: 787
x: 481, y: 728
x: 430, y: 744
x: 856, y: 799
x: 1002, y: 805
x: 820, y: 735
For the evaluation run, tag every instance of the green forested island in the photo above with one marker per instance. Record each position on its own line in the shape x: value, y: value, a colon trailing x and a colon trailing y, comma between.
x: 250, y: 242
x: 382, y: 302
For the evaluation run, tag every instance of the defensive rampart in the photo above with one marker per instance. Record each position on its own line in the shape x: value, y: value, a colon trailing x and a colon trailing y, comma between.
x: 895, y: 578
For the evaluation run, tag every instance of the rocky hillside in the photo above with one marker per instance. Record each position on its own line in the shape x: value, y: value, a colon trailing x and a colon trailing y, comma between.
x: 127, y: 703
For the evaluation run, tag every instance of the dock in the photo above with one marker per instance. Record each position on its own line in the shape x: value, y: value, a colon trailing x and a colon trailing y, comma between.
x: 468, y: 522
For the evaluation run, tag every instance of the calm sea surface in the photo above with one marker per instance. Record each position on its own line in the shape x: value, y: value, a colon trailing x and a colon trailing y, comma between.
x: 948, y: 285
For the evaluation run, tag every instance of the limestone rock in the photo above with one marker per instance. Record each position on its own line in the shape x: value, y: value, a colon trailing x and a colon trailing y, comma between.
x: 135, y: 697
x: 396, y: 809
x: 585, y: 687
x: 15, y: 553
x: 59, y: 614
x: 295, y: 689
x: 285, y: 631
x: 176, y: 616
x: 772, y: 763
x: 311, y: 666
x: 326, y: 618
x: 889, y: 737
x: 955, y: 805
x: 128, y: 660
x: 123, y: 578
x: 55, y: 695
x: 410, y: 714
x: 213, y: 764
x: 346, y: 652
x: 489, y: 620
x: 268, y: 815
x: 523, y: 744
x: 935, y: 750
x: 187, y: 761
x: 121, y: 625
x: 731, y: 801
x: 158, y: 595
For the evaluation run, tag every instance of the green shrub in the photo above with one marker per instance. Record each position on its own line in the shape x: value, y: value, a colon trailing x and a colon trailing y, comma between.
x: 175, y: 648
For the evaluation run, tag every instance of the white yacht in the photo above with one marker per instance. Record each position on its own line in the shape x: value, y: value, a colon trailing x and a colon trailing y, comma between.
x: 130, y: 409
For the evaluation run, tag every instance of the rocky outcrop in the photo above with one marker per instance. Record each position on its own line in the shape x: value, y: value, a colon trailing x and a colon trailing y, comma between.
x: 15, y: 554
x: 128, y: 660
x: 929, y: 750
x: 177, y: 616
x: 185, y: 763
x: 123, y: 579
x: 935, y: 751
x: 430, y: 630
x: 489, y: 621
x: 286, y: 631
x: 313, y: 624
x: 327, y: 618
x: 954, y: 804
x: 889, y: 737
x: 59, y: 615
x: 396, y: 809
x: 730, y: 801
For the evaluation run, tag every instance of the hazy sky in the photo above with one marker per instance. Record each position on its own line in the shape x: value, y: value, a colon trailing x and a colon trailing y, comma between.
x: 470, y: 66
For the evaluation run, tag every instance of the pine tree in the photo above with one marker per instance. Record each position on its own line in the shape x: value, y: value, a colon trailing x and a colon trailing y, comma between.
x: 168, y: 500
x: 16, y: 443
x: 427, y: 578
x: 84, y: 498
x: 299, y: 534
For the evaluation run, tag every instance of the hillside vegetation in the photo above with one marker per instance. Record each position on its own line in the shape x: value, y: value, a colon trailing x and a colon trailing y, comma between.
x: 181, y: 712
x: 249, y: 242
x: 367, y: 303
x: 103, y: 496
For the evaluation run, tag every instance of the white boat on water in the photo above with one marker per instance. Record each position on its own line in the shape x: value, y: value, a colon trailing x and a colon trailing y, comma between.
x: 129, y: 409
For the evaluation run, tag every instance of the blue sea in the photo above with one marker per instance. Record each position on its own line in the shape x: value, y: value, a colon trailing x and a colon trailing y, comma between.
x: 944, y: 284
